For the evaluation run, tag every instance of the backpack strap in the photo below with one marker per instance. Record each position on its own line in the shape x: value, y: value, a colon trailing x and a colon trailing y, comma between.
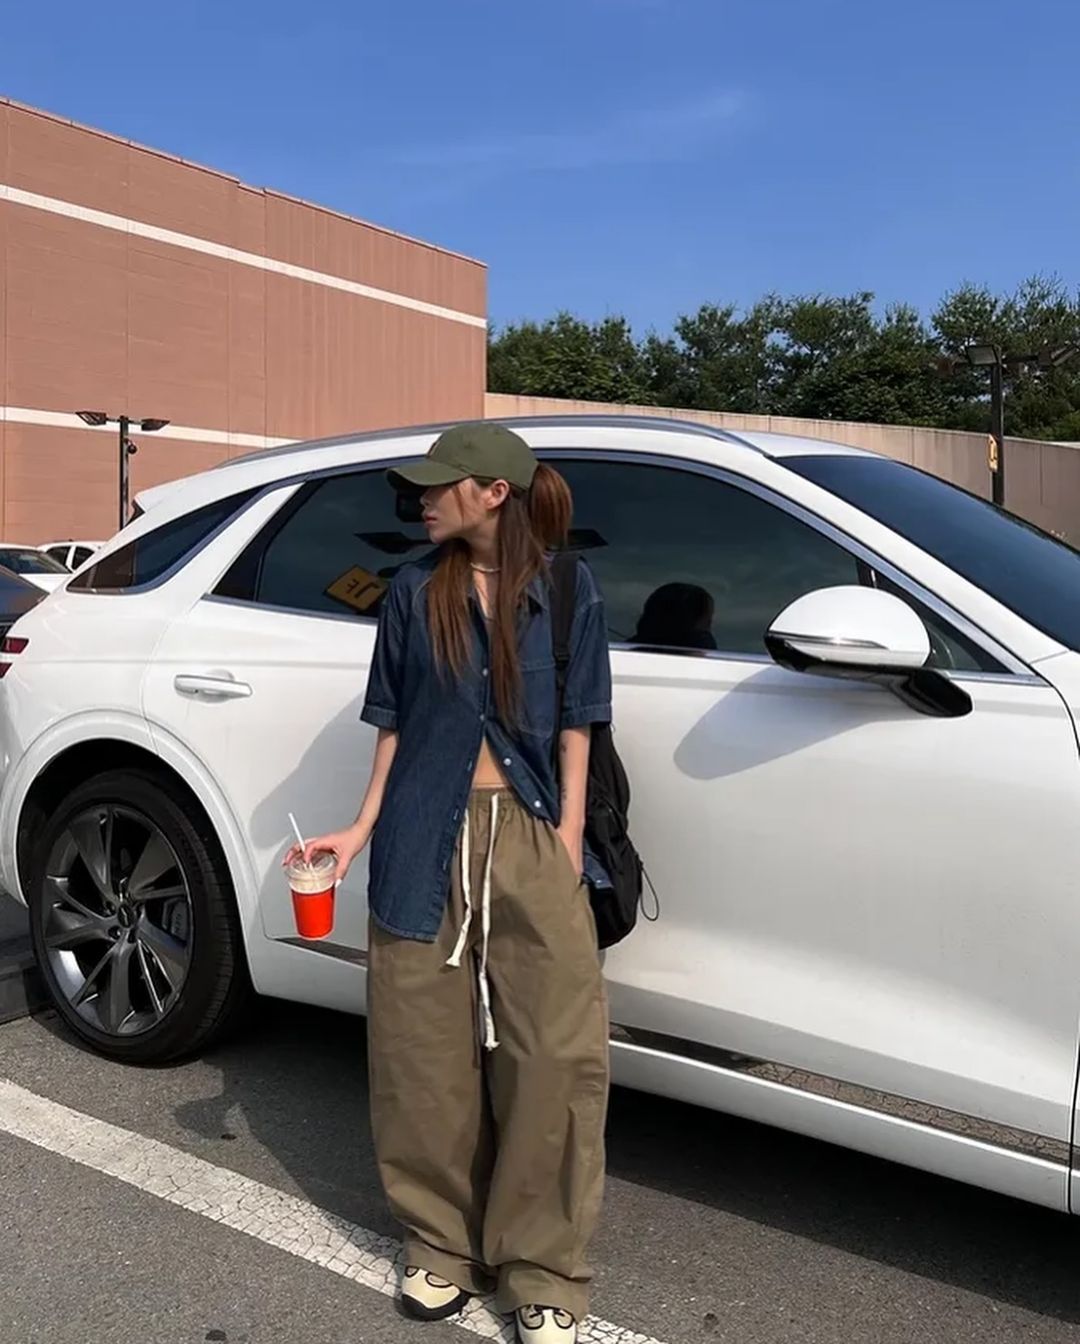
x: 564, y: 566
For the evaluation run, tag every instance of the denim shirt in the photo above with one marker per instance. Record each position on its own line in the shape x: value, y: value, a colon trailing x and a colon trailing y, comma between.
x: 441, y: 721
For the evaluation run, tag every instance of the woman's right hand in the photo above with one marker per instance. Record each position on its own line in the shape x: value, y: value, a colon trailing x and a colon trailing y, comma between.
x: 344, y: 845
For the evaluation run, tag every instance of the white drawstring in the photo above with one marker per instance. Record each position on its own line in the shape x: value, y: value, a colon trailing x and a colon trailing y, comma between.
x: 454, y: 958
x: 490, y: 1040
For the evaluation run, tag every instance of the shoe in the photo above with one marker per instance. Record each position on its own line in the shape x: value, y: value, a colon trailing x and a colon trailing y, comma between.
x: 426, y: 1297
x: 545, y: 1325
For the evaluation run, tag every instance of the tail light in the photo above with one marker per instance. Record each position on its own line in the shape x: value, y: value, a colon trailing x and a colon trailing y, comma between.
x: 11, y: 644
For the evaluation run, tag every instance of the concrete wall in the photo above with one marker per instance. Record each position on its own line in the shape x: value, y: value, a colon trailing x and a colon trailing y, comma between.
x: 134, y: 282
x: 1042, y: 480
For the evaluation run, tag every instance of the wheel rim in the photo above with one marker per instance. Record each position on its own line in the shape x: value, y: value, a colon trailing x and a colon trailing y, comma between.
x: 116, y: 920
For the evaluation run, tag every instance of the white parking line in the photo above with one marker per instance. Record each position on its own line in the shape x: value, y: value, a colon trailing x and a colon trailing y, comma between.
x: 236, y: 1201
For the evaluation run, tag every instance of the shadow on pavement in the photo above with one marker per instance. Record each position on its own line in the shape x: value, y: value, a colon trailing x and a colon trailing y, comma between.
x: 298, y: 1076
x: 1001, y: 1248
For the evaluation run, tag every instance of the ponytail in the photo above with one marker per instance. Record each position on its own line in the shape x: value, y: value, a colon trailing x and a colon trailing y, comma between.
x: 550, y: 508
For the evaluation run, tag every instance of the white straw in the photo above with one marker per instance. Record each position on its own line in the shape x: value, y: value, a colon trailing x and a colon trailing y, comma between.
x: 296, y: 829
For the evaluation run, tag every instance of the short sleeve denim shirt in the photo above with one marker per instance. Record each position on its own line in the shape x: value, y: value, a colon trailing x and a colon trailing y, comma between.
x: 441, y: 721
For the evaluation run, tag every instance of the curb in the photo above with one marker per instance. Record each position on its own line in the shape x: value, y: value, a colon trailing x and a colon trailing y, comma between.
x: 21, y: 987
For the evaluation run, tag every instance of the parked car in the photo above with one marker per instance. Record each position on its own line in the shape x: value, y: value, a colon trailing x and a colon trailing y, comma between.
x: 17, y: 597
x: 34, y: 565
x: 71, y: 554
x: 852, y: 741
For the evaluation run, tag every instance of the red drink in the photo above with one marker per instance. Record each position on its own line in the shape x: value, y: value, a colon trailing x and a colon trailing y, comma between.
x: 312, y: 886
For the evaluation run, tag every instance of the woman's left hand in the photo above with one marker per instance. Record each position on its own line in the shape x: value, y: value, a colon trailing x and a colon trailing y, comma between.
x: 573, y: 839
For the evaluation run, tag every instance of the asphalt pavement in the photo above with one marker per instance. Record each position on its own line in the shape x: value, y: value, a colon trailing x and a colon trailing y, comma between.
x: 12, y: 923
x: 20, y: 985
x: 714, y: 1229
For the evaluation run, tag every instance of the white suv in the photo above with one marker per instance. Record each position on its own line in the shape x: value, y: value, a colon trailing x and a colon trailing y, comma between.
x: 845, y: 696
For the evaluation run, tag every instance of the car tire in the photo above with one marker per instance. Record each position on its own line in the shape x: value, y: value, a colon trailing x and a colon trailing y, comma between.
x: 133, y: 919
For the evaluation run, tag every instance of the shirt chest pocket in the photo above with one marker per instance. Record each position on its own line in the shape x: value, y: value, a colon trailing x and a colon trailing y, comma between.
x: 538, y: 696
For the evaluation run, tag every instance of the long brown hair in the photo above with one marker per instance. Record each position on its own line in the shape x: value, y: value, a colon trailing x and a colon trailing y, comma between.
x: 531, y: 523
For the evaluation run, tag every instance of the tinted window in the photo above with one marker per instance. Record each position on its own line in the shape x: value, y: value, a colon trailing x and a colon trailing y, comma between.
x: 29, y: 561
x: 16, y: 596
x: 686, y: 561
x: 1023, y: 568
x: 332, y: 549
x: 149, y: 556
x: 80, y: 557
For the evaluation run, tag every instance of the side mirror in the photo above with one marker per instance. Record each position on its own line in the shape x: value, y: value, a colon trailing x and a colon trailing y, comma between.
x: 849, y: 629
x: 865, y: 635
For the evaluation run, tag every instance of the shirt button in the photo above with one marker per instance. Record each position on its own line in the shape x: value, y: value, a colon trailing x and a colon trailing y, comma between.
x: 537, y: 804
x: 507, y: 761
x: 484, y: 673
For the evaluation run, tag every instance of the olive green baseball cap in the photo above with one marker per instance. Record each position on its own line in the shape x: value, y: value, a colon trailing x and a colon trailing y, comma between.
x: 484, y: 450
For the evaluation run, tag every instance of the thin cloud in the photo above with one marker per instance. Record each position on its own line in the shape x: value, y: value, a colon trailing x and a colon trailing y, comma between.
x: 677, y: 133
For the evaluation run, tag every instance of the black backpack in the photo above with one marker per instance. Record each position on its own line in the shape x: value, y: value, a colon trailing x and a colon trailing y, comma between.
x: 607, y: 802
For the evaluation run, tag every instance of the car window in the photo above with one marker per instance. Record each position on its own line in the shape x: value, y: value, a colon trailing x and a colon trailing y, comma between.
x: 44, y: 564
x: 689, y: 562
x: 684, y: 561
x: 1027, y: 570
x: 29, y: 561
x: 151, y: 555
x: 57, y: 552
x: 332, y: 549
x: 82, y: 554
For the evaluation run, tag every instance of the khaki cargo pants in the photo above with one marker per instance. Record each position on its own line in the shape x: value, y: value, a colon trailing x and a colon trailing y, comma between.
x: 493, y: 1158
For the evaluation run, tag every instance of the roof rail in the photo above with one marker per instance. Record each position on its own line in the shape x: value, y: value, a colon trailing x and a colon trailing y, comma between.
x: 609, y: 420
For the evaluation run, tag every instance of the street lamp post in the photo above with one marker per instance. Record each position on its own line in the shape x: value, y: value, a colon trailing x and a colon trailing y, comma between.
x: 127, y: 448
x: 991, y: 357
x: 997, y: 431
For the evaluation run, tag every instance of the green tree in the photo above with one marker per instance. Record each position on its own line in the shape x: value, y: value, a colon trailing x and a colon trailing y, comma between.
x: 821, y: 356
x: 811, y: 332
x: 1041, y: 314
x: 886, y: 372
x: 566, y: 357
x: 715, y: 360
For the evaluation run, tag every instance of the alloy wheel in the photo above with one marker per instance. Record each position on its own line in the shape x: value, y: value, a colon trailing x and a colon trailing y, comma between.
x: 116, y: 920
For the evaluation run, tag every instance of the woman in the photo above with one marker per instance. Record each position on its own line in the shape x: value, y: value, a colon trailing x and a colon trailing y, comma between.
x: 488, y: 1033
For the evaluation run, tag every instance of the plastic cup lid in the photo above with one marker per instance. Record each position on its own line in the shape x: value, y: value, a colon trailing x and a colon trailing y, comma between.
x: 320, y: 863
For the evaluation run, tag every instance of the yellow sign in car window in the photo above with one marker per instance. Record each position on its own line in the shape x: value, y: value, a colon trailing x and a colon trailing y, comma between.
x: 358, y: 588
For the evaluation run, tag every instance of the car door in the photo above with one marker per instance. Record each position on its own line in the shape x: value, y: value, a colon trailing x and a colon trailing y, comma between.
x: 848, y: 888
x: 264, y: 678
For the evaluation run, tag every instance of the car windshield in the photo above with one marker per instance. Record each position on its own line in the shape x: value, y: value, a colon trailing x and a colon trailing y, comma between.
x: 1024, y: 568
x: 29, y: 561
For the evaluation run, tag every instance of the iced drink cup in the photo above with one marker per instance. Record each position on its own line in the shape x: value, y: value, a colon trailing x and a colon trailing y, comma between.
x: 312, y: 887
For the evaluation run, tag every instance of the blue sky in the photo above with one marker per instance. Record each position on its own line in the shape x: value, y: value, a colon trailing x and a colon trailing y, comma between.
x: 629, y: 156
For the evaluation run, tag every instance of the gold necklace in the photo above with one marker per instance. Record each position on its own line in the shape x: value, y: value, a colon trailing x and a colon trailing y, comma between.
x: 484, y: 569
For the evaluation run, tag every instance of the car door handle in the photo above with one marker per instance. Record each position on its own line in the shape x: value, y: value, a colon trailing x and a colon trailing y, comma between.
x: 212, y: 687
